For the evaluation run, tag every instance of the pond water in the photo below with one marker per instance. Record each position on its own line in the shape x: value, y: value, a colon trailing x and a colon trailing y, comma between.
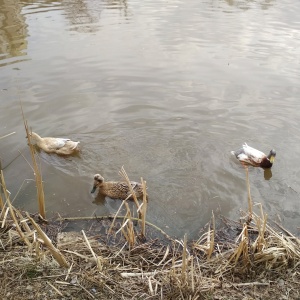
x: 165, y: 89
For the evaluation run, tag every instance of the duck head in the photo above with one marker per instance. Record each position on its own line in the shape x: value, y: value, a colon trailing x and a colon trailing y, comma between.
x: 98, y: 180
x: 271, y: 156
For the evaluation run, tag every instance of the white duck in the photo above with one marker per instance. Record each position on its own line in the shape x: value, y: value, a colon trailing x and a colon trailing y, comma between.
x: 253, y: 157
x: 54, y: 145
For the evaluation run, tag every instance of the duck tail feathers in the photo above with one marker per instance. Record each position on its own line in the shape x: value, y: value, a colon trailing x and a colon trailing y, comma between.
x: 75, y: 145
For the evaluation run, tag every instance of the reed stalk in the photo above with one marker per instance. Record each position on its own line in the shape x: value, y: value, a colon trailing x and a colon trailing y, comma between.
x: 1, y: 188
x: 125, y: 176
x: 250, y: 203
x: 128, y: 224
x: 241, y: 250
x: 211, y: 237
x: 1, y: 199
x: 184, y: 261
x: 144, y: 209
x: 37, y: 172
x: 260, y: 223
x: 141, y: 210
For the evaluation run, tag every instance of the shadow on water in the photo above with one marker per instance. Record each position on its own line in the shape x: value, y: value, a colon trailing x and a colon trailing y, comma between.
x: 106, y: 206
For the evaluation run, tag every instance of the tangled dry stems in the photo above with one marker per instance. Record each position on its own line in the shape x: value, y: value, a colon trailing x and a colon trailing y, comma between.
x: 252, y: 264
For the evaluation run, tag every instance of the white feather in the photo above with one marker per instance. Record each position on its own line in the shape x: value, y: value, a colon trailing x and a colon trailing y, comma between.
x: 59, y: 142
x: 252, y: 152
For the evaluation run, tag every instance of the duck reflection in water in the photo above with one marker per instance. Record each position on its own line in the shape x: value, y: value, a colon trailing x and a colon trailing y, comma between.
x: 267, y: 174
x: 112, y: 205
x: 99, y: 199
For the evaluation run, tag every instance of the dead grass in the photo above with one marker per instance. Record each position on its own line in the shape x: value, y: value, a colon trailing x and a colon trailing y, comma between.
x: 259, y: 263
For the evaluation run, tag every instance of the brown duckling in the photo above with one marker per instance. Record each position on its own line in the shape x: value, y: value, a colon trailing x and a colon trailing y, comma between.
x: 115, y: 189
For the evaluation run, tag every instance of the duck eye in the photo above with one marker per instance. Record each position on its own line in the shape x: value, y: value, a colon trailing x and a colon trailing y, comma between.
x: 98, y: 178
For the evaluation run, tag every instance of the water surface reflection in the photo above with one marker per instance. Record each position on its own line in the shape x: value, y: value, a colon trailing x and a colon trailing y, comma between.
x: 248, y: 4
x: 13, y: 32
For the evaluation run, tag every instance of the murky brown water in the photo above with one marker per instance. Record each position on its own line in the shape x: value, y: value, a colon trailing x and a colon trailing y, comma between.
x: 166, y: 89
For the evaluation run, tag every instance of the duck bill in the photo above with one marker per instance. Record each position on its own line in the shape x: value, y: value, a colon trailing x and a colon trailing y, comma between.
x: 272, y: 159
x: 93, y: 189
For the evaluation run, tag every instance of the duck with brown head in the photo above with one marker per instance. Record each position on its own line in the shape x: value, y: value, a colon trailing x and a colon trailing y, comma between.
x: 253, y: 157
x: 116, y: 189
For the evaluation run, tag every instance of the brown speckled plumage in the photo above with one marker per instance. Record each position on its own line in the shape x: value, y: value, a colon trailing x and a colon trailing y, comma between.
x: 115, y: 189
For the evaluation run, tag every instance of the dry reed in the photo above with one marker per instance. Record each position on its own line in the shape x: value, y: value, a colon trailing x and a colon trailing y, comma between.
x: 178, y: 270
x: 127, y: 227
x: 37, y: 172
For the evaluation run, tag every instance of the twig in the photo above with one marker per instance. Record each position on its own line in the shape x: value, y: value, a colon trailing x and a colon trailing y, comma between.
x: 92, y: 260
x: 55, y: 289
x: 252, y: 284
x: 85, y: 290
x: 77, y: 285
x: 2, y: 137
x: 69, y: 271
x: 97, y: 259
x: 127, y: 275
x: 285, y: 230
x: 165, y: 256
x: 4, y: 217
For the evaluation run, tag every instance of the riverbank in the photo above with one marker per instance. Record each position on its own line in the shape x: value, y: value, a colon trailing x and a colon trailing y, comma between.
x: 235, y: 261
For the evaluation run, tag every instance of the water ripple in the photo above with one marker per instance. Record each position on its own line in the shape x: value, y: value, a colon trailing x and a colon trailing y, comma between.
x: 165, y: 89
